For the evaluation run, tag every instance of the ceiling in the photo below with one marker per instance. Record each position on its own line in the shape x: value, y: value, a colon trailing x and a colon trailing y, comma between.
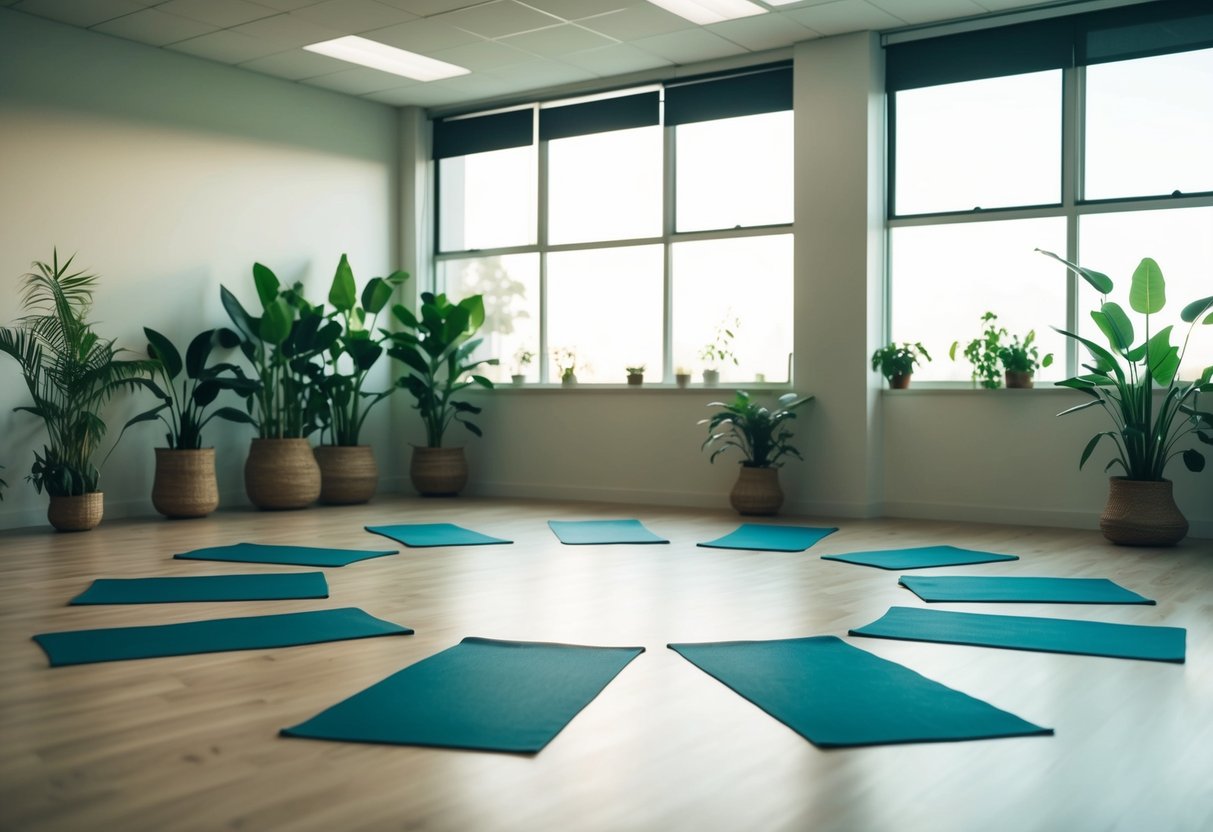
x: 511, y: 47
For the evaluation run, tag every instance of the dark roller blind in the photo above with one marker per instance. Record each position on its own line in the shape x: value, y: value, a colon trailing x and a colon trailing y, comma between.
x: 478, y: 134
x: 743, y: 93
x: 619, y: 113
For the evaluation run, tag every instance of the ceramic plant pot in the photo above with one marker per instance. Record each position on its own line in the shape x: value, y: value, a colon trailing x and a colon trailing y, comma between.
x: 899, y: 382
x: 1141, y: 513
x: 348, y: 474
x: 1018, y: 380
x: 185, y: 484
x: 281, y: 474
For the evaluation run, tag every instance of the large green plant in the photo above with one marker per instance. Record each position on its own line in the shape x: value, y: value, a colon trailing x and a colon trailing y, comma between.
x: 285, y: 345
x: 760, y: 434
x: 71, y: 373
x: 350, y: 357
x: 436, y: 348
x: 1124, y: 379
x: 184, y: 408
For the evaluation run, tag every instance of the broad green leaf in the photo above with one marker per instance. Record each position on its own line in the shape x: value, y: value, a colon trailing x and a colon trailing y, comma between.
x: 267, y: 284
x: 1148, y: 292
x: 1197, y: 308
x: 1195, y: 460
x: 1082, y: 406
x: 161, y: 349
x: 406, y: 317
x: 1161, y: 357
x: 276, y: 323
x: 343, y: 294
x: 1086, y: 452
x: 241, y: 319
x: 376, y: 295
x: 206, y: 392
x: 475, y: 309
x: 1098, y: 280
x: 231, y: 414
x: 198, y: 351
x: 1115, y: 324
x: 1105, y: 358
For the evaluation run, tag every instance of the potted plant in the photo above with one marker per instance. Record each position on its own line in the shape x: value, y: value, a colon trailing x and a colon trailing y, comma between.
x: 523, y: 357
x: 896, y: 362
x: 762, y: 437
x: 184, y: 484
x: 348, y: 473
x: 719, y: 350
x: 983, y: 352
x: 565, y: 359
x: 635, y: 375
x: 1021, y: 359
x: 682, y: 376
x: 71, y: 373
x: 1127, y: 381
x: 285, y: 346
x: 436, y: 348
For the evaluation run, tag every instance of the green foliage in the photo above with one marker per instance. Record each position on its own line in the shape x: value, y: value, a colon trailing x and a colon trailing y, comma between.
x: 898, y: 359
x: 990, y: 356
x: 344, y: 405
x: 286, y: 347
x: 635, y: 371
x: 761, y: 435
x: 1023, y: 356
x: 435, y: 348
x: 71, y: 373
x: 186, y: 405
x: 566, y: 361
x: 1125, y: 379
x: 719, y: 350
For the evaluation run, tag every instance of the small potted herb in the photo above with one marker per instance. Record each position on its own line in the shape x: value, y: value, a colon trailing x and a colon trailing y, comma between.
x: 994, y: 360
x: 565, y: 359
x: 719, y: 351
x: 1021, y: 359
x: 523, y: 358
x: 896, y: 362
x: 635, y: 375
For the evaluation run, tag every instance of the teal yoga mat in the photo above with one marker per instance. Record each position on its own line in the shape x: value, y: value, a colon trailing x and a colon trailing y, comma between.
x: 289, y: 555
x: 214, y: 636
x: 966, y: 589
x: 480, y: 694
x: 587, y: 532
x: 836, y: 695
x: 1049, y: 635
x: 920, y: 557
x: 204, y: 588
x: 419, y: 535
x: 764, y: 538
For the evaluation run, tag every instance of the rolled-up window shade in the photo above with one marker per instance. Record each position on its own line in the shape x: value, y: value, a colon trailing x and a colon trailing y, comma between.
x: 1145, y: 30
x: 479, y: 134
x: 605, y: 114
x: 744, y: 93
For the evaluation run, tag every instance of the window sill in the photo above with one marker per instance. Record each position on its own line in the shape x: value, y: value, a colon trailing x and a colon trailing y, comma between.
x: 648, y: 387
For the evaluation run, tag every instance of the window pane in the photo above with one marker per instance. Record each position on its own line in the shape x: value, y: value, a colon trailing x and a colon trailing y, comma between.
x: 991, y: 143
x: 945, y: 277
x: 606, y: 305
x: 708, y: 293
x: 605, y: 186
x: 510, y: 285
x: 1181, y: 241
x: 1150, y: 126
x: 734, y: 172
x: 487, y: 200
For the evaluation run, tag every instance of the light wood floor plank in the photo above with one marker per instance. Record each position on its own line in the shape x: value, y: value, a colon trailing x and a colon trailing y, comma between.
x: 191, y: 742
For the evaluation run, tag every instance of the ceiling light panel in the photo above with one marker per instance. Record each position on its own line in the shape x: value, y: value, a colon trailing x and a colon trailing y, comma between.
x: 386, y: 58
x: 704, y: 12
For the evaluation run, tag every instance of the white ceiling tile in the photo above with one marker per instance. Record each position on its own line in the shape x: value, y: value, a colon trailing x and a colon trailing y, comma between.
x: 558, y: 40
x: 763, y: 31
x: 427, y: 8
x: 153, y: 27
x: 295, y: 64
x: 218, y: 13
x: 78, y: 12
x: 351, y: 16
x: 689, y: 46
x: 287, y: 5
x: 226, y: 46
x: 498, y: 19
x: 540, y: 73
x: 574, y: 9
x: 615, y: 60
x: 357, y: 81
x: 283, y: 31
x: 423, y: 36
x: 484, y: 54
x: 927, y: 11
x: 636, y: 22
x: 844, y: 16
x: 1004, y: 5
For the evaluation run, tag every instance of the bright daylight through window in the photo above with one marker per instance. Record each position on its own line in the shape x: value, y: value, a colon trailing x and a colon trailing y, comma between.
x: 648, y: 227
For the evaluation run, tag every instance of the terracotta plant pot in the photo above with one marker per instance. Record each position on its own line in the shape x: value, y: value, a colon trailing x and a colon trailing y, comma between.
x: 635, y: 379
x: 757, y: 491
x: 185, y: 484
x: 899, y: 382
x: 348, y: 474
x: 76, y: 514
x: 281, y: 474
x: 438, y: 472
x: 1018, y: 380
x: 1142, y: 513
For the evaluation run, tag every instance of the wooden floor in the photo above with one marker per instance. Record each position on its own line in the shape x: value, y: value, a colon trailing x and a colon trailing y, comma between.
x: 191, y: 742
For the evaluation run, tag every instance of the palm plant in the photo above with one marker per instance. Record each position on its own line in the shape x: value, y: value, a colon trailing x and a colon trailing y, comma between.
x: 71, y: 373
x: 760, y: 434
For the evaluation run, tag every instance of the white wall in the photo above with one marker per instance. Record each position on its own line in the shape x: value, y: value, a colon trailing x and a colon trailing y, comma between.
x: 169, y: 175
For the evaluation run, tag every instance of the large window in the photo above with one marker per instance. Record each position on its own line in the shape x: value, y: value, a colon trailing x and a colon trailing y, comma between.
x: 628, y: 229
x: 1087, y: 136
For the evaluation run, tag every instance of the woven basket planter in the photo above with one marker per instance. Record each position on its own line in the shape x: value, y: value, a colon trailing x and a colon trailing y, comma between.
x: 348, y: 474
x: 185, y: 483
x: 757, y: 491
x: 1142, y: 513
x: 438, y: 472
x: 76, y: 514
x: 281, y: 474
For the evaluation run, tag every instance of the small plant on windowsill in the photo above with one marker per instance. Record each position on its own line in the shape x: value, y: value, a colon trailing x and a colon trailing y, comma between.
x: 1021, y: 359
x: 565, y: 359
x: 719, y: 351
x: 995, y: 360
x: 896, y: 362
x: 635, y: 375
x: 682, y: 376
x: 523, y: 358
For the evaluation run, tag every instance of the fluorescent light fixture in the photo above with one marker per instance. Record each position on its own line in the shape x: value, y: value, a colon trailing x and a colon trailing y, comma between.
x: 710, y: 11
x: 380, y: 56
